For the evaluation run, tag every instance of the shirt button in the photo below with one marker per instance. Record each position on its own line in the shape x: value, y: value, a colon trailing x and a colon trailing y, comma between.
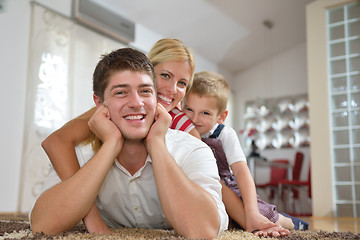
x: 136, y: 208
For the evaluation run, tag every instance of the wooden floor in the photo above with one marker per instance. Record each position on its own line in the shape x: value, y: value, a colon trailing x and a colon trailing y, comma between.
x: 341, y: 224
x: 330, y: 224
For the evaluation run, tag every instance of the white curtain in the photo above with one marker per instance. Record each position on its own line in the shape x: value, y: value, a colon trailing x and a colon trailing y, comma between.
x: 62, y: 58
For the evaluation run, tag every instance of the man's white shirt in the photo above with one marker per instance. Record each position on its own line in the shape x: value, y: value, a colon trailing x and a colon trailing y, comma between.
x: 133, y: 201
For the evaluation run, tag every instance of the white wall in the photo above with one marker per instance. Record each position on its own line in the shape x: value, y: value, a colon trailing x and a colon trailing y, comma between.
x: 15, y: 24
x: 289, y: 77
x: 288, y: 72
x: 61, y: 6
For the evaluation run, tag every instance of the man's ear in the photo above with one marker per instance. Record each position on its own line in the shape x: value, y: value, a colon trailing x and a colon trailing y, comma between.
x: 97, y: 100
x: 223, y: 117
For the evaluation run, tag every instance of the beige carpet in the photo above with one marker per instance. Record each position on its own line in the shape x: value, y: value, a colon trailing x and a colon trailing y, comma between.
x: 17, y: 227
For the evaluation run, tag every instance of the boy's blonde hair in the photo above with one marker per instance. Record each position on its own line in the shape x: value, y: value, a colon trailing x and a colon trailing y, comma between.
x: 166, y: 50
x: 210, y: 84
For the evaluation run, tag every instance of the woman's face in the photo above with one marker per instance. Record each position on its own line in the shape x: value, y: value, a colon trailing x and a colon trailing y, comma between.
x: 172, y: 79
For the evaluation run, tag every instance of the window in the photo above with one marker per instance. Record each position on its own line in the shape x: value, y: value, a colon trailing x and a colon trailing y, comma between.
x: 62, y: 58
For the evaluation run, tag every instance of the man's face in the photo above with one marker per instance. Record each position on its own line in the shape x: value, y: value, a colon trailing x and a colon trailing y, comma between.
x: 131, y: 99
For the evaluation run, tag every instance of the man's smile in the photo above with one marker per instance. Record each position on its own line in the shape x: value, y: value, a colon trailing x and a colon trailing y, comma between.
x: 135, y: 117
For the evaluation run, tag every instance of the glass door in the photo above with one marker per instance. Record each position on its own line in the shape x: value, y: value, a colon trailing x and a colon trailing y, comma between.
x: 343, y: 25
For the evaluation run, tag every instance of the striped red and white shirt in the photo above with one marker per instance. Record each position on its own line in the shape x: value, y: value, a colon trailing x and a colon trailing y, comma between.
x: 180, y: 121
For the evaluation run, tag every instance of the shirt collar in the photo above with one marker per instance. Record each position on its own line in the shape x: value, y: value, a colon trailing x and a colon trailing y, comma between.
x: 208, y: 134
x: 139, y: 172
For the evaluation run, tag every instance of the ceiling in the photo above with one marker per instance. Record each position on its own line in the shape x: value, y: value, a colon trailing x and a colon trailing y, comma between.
x: 229, y: 33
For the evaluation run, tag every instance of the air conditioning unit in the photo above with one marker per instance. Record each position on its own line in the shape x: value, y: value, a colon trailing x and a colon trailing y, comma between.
x: 103, y: 20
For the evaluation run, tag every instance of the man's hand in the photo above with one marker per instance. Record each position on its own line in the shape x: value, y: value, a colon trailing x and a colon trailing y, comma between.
x: 159, y: 128
x: 100, y: 124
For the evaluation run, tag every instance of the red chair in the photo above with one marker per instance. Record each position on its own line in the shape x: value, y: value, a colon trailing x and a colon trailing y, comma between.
x: 276, y: 175
x: 293, y: 187
x: 299, y: 159
x: 296, y: 172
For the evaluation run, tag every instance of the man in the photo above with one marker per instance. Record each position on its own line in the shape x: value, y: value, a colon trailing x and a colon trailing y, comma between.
x: 139, y: 177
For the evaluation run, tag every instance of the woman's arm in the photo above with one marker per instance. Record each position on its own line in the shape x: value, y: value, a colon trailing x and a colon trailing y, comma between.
x: 60, y: 145
x: 195, y: 133
x: 62, y: 206
x: 60, y: 148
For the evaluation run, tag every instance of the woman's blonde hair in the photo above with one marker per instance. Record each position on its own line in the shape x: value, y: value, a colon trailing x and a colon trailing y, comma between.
x: 166, y: 50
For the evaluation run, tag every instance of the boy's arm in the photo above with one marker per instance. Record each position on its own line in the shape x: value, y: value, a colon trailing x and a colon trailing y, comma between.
x: 246, y: 185
x: 60, y: 148
x: 190, y: 210
x: 254, y: 220
x: 259, y: 225
x: 245, y: 182
x: 62, y: 206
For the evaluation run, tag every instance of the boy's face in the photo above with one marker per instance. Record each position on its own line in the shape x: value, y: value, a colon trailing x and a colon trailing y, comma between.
x: 131, y: 99
x: 202, y: 111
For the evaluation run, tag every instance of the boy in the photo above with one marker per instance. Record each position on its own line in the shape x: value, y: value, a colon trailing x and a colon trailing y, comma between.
x: 205, y: 104
x: 138, y: 177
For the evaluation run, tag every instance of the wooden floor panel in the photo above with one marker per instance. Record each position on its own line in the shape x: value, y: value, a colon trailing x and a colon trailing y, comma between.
x: 341, y: 224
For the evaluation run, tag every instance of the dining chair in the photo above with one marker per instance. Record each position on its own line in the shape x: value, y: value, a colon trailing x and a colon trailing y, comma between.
x: 277, y: 173
x: 292, y: 187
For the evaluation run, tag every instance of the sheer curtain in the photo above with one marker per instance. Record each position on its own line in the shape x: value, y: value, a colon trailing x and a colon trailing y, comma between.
x: 62, y: 58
